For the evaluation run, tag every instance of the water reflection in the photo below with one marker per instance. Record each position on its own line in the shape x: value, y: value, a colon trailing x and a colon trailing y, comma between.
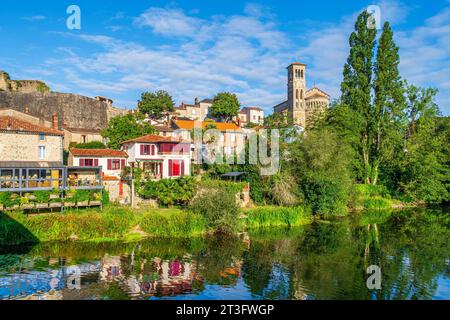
x: 326, y: 260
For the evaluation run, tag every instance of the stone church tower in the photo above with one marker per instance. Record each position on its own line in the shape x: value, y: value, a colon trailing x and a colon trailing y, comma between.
x: 301, y: 104
x: 296, y: 92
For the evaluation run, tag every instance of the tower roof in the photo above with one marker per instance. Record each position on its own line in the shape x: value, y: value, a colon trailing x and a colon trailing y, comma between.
x: 297, y: 64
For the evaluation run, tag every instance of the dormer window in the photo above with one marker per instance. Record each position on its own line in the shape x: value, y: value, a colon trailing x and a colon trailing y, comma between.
x: 41, y: 136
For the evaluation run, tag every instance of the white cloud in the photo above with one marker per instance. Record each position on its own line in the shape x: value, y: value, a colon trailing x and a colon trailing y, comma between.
x: 169, y: 22
x: 35, y: 18
x: 241, y: 53
x: 246, y: 54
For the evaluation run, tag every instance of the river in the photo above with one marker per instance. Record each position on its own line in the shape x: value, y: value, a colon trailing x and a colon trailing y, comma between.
x: 407, y: 254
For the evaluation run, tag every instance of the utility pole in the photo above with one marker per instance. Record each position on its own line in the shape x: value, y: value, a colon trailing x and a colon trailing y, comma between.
x: 132, y: 187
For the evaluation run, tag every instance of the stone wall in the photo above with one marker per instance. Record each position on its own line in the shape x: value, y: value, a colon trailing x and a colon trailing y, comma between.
x: 24, y: 86
x: 24, y: 147
x: 73, y: 110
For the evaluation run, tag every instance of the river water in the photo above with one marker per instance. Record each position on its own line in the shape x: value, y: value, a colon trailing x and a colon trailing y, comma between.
x: 407, y: 254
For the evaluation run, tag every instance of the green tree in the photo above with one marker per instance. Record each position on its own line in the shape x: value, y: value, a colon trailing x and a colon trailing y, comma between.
x: 425, y: 172
x: 225, y: 105
x: 155, y: 104
x: 122, y: 128
x: 91, y: 145
x: 356, y: 91
x: 388, y: 113
x: 320, y: 164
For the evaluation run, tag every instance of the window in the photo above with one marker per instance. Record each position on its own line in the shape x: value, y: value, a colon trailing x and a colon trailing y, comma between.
x: 116, y: 164
x: 41, y: 136
x: 88, y: 162
x: 83, y: 138
x: 301, y: 74
x: 147, y: 149
x: 41, y: 152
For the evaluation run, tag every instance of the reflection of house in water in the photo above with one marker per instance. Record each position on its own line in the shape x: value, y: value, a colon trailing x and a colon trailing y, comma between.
x: 163, y: 278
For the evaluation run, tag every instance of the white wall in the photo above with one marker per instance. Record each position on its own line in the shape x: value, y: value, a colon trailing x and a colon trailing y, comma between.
x: 102, y: 162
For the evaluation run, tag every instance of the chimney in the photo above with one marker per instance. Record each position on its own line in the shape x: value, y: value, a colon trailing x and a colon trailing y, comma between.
x: 55, y: 124
x: 196, y: 102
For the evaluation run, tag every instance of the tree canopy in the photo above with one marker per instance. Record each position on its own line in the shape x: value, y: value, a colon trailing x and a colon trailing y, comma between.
x: 154, y: 105
x: 122, y: 128
x: 225, y: 105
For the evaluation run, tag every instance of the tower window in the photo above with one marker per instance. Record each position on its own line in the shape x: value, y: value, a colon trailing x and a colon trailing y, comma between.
x: 301, y: 74
x: 301, y: 94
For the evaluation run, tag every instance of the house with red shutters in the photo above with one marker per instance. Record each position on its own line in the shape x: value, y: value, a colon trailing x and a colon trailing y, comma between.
x: 158, y: 156
x: 111, y: 161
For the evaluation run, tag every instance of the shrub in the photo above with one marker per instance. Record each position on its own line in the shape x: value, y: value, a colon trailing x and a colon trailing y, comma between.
x: 369, y: 196
x: 105, y: 197
x: 377, y: 203
x: 42, y: 196
x: 91, y: 145
x: 170, y: 191
x: 81, y: 195
x: 9, y: 199
x: 321, y: 165
x: 219, y: 208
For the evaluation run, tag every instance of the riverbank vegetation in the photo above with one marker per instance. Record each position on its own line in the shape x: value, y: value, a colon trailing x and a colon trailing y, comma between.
x: 382, y: 144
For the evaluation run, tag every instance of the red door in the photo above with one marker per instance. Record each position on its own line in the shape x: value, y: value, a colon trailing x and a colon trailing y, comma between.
x: 176, y: 168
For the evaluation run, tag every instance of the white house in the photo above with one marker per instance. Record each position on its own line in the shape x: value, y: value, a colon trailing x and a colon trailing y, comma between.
x: 111, y: 161
x: 159, y: 156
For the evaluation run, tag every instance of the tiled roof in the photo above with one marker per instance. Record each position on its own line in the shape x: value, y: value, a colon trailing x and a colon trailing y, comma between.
x: 252, y: 108
x: 82, y: 130
x: 316, y: 92
x: 8, y: 123
x: 164, y: 128
x: 191, y: 124
x: 298, y: 64
x: 98, y: 153
x: 151, y: 138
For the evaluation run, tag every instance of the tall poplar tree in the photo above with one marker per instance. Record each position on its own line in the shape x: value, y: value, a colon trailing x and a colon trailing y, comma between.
x: 389, y: 104
x: 356, y: 91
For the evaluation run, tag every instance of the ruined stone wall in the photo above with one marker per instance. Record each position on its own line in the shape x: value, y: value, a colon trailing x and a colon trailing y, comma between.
x: 73, y: 110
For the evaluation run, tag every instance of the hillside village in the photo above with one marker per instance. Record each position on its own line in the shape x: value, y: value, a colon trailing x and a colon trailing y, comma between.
x: 40, y: 131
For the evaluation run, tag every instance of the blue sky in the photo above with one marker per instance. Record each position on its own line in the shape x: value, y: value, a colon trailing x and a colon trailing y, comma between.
x: 198, y: 48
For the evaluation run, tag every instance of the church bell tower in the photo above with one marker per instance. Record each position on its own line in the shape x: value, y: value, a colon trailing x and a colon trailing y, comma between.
x: 296, y: 92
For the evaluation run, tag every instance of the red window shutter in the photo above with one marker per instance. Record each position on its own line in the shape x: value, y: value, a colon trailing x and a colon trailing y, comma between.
x: 182, y: 167
x: 170, y: 167
x: 122, y: 163
x: 142, y: 149
x: 121, y: 188
x: 81, y: 162
x: 109, y: 164
x: 95, y: 162
x: 153, y: 150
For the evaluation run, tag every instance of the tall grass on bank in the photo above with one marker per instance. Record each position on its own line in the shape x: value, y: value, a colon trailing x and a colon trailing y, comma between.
x: 173, y: 223
x: 112, y: 224
x: 365, y: 196
x: 264, y: 217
